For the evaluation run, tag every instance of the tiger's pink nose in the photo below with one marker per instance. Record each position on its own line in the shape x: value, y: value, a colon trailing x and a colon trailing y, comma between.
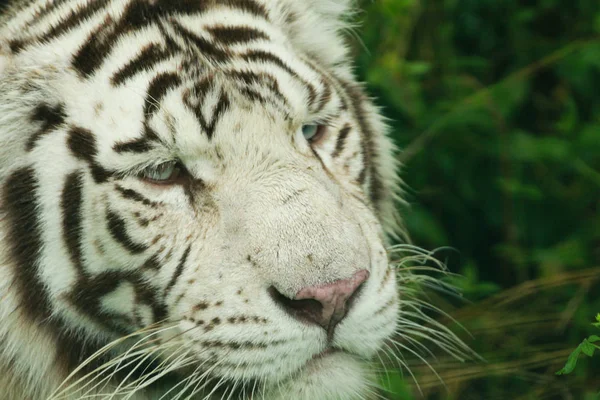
x: 324, y: 305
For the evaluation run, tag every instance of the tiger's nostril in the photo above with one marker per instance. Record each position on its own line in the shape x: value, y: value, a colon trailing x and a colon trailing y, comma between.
x: 324, y: 305
x: 306, y: 310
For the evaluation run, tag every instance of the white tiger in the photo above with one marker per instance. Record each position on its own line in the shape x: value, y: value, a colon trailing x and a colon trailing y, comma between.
x: 195, y: 196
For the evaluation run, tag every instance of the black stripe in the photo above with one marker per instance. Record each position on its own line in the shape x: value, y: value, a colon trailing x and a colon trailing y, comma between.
x: 141, y: 12
x: 356, y: 97
x: 249, y: 6
x: 51, y: 117
x: 66, y: 24
x: 362, y: 177
x: 140, y: 145
x: 17, y: 45
x: 138, y: 15
x: 190, y: 188
x: 147, y: 294
x: 325, y: 96
x: 178, y: 271
x: 201, y: 91
x: 357, y: 101
x: 82, y: 144
x: 266, y: 57
x: 326, y: 82
x: 74, y: 19
x: 96, y: 48
x: 341, y: 141
x: 137, y: 146
x: 117, y: 228
x: 340, y: 91
x: 71, y: 203
x: 150, y: 55
x: 131, y: 194
x: 73, y: 349
x: 331, y: 86
x: 24, y: 239
x: 230, y: 35
x: 152, y: 264
x: 262, y: 79
x: 269, y: 99
x: 87, y: 296
x: 45, y: 9
x: 158, y: 88
x: 220, y: 109
x: 206, y: 48
x: 377, y: 187
x: 25, y: 244
x: 198, y: 93
x: 250, y: 78
x: 254, y: 96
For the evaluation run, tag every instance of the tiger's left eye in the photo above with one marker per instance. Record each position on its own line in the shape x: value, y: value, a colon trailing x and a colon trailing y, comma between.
x: 164, y: 173
x: 313, y: 132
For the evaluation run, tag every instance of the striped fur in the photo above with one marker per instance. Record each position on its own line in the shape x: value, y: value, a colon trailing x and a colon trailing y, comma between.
x: 94, y: 92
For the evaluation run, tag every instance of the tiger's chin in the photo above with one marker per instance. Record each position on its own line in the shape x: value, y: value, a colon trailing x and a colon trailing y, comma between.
x: 329, y: 376
x: 332, y: 376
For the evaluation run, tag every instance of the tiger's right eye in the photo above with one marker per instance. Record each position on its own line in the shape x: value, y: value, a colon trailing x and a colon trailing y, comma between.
x: 165, y: 173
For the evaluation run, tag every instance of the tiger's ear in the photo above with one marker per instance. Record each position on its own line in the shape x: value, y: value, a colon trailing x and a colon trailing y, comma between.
x: 316, y: 27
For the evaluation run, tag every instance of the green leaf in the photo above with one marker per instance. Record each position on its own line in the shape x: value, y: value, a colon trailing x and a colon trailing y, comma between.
x: 571, y: 362
x: 593, y: 339
x: 587, y: 348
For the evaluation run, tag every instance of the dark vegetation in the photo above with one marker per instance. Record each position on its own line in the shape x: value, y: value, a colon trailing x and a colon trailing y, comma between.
x: 496, y: 104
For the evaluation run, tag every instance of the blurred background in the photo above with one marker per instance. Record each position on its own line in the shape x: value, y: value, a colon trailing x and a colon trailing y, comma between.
x: 496, y: 106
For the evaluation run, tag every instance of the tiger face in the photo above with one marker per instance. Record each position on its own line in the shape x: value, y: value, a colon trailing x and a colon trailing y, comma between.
x: 195, y: 197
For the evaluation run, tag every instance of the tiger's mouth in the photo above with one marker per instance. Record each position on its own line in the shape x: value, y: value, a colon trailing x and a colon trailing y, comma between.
x: 327, y: 352
x: 317, y: 358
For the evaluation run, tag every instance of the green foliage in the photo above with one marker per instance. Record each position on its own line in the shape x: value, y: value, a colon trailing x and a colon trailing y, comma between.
x: 586, y: 347
x: 495, y: 105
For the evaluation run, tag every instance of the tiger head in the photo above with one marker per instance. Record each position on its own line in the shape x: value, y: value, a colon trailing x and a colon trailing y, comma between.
x: 195, y: 198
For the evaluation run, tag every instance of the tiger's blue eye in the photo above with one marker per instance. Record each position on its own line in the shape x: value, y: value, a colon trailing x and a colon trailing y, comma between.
x: 312, y: 132
x: 162, y: 173
x: 309, y: 131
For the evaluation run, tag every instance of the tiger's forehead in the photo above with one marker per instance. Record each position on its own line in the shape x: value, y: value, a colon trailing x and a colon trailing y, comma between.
x: 193, y: 111
x: 204, y: 57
